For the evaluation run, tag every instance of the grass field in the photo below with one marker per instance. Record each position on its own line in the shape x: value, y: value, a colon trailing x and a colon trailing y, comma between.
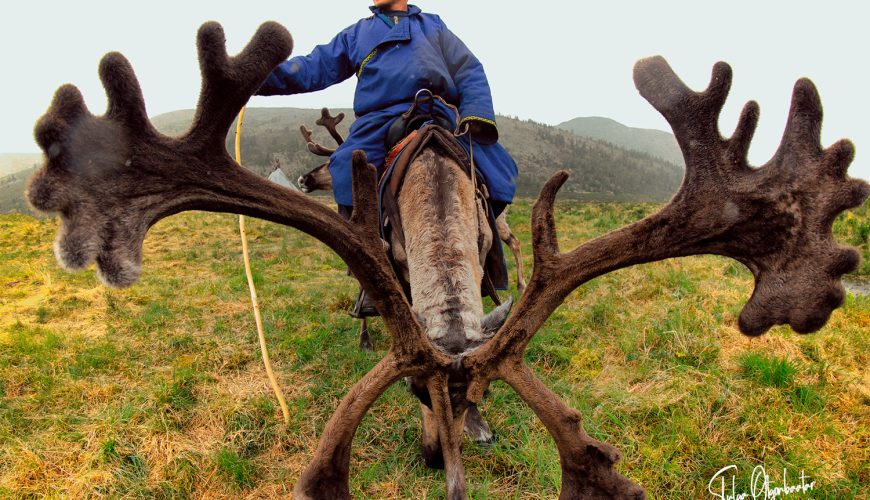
x: 158, y: 390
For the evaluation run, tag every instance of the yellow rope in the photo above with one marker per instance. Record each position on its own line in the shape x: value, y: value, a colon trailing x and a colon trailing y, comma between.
x: 260, y: 335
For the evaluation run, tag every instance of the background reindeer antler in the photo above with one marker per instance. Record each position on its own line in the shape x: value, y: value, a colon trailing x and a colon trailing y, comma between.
x: 112, y: 177
x: 314, y: 147
x: 329, y: 122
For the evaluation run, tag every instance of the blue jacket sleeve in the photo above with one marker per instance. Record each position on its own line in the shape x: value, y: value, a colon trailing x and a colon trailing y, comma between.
x: 326, y: 65
x: 475, y: 97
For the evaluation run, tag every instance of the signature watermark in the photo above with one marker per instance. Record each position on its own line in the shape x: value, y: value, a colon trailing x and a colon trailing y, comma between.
x: 760, y: 484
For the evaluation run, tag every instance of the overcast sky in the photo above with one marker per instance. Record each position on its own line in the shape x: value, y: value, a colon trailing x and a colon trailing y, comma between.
x: 548, y: 61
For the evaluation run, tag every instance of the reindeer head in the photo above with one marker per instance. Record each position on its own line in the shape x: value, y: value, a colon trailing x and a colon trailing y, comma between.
x: 111, y: 177
x: 317, y: 179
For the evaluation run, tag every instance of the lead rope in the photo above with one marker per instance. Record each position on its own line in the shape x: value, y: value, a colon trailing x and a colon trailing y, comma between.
x: 471, y: 160
x: 478, y: 194
x: 257, y: 319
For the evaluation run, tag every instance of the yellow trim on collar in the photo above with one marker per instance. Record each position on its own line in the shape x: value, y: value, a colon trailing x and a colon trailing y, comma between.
x: 478, y: 118
x: 365, y: 61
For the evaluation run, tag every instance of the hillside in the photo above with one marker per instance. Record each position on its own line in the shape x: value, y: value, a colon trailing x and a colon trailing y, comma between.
x: 600, y: 171
x: 12, y: 193
x: 656, y: 143
x: 268, y: 134
x: 11, y: 163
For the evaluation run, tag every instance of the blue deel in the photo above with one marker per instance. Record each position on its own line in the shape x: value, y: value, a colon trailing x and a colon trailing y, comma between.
x: 391, y: 65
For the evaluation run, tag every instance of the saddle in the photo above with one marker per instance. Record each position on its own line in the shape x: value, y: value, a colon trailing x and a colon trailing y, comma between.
x: 404, y: 126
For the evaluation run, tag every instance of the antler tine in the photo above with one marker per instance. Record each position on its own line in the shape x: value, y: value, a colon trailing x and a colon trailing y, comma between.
x: 126, y: 104
x: 327, y: 473
x: 450, y: 439
x: 228, y: 82
x: 587, y: 464
x: 545, y: 243
x: 319, y: 150
x: 659, y: 85
x: 306, y: 134
x: 365, y: 206
x: 803, y: 130
x: 331, y: 124
x: 738, y: 145
x: 313, y: 147
x: 66, y: 110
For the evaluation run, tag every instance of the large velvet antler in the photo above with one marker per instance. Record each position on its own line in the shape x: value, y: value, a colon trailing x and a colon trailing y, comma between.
x: 775, y: 219
x: 110, y: 178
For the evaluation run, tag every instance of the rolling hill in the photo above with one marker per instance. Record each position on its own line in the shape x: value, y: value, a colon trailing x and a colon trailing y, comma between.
x: 12, y: 193
x: 653, y: 142
x: 601, y: 171
x: 11, y: 163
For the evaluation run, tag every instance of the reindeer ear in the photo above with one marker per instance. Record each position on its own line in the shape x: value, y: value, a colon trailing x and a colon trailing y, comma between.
x: 493, y: 321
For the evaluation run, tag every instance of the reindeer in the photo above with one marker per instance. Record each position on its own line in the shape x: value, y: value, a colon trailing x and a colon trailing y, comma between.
x: 111, y: 177
x: 436, y: 222
x: 319, y: 179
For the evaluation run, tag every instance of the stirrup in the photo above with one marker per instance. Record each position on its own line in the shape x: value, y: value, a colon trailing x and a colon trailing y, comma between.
x: 363, y: 307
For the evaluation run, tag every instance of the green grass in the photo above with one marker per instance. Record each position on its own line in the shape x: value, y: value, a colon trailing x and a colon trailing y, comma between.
x: 770, y: 371
x: 781, y: 373
x: 237, y: 471
x: 174, y: 399
x: 158, y: 391
x: 853, y: 228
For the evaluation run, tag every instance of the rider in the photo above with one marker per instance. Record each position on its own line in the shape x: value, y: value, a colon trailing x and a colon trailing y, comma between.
x: 396, y: 52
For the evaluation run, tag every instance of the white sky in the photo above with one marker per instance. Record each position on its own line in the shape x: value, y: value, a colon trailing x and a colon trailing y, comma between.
x: 548, y: 61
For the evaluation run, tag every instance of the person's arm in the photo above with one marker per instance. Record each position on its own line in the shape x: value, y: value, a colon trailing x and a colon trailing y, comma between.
x: 475, y: 98
x: 326, y: 65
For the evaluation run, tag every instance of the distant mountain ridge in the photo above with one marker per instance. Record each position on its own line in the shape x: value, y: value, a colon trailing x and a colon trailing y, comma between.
x: 12, y: 192
x: 600, y: 170
x: 15, y: 169
x: 11, y: 163
x: 653, y: 142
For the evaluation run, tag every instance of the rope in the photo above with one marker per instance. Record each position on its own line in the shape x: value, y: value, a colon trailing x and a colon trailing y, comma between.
x: 257, y: 318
